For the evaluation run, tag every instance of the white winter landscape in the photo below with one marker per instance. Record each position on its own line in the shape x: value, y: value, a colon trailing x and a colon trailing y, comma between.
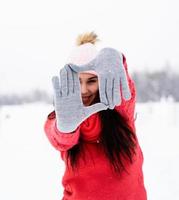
x: 30, y: 168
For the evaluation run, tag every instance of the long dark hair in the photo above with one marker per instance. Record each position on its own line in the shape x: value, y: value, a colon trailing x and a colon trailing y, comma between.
x: 117, y: 139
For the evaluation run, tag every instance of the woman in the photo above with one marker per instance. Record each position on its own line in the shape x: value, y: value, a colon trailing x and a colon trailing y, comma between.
x: 93, y: 125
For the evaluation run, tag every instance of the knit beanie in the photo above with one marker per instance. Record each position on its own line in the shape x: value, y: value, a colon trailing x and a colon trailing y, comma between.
x: 85, y: 51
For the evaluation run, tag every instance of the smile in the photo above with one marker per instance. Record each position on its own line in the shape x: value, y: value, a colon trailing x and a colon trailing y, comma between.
x: 86, y: 98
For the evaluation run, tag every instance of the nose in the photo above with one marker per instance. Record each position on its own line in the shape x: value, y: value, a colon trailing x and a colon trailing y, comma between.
x: 84, y: 89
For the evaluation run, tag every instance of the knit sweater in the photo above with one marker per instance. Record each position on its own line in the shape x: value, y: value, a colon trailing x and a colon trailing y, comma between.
x: 94, y: 179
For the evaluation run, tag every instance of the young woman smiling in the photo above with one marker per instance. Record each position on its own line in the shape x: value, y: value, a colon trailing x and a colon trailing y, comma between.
x: 93, y: 125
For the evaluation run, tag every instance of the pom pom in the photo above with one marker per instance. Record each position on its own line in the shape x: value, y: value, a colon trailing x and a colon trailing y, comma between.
x: 87, y: 38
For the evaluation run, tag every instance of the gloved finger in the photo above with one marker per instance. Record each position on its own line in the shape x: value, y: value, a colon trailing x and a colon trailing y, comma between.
x: 56, y: 86
x: 125, y: 86
x: 116, y: 91
x: 121, y: 66
x: 76, y: 83
x: 89, y: 110
x: 64, y: 84
x: 102, y: 89
x: 109, y: 91
x: 70, y: 81
x: 80, y: 68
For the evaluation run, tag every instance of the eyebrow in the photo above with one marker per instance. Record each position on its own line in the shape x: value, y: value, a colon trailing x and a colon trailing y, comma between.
x: 94, y: 77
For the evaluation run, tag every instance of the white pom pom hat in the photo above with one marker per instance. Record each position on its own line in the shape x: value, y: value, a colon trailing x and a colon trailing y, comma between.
x: 83, y: 54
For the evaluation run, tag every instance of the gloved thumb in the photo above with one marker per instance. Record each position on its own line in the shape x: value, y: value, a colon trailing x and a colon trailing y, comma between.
x: 80, y: 68
x: 89, y: 110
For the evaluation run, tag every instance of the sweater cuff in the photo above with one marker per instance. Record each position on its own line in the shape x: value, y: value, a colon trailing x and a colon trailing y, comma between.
x: 67, y: 138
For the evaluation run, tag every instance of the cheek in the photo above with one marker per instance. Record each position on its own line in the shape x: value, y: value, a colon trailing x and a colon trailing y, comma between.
x: 94, y: 88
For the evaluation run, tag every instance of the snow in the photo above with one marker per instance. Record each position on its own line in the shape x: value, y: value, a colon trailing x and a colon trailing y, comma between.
x: 30, y: 168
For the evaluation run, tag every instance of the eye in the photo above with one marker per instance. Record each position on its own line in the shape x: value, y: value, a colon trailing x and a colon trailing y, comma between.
x: 92, y: 81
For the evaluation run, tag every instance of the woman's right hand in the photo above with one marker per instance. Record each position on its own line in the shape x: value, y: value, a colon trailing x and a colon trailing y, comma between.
x: 69, y: 108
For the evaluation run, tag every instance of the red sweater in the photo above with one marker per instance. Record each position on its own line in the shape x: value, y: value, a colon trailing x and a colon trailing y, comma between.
x: 94, y: 179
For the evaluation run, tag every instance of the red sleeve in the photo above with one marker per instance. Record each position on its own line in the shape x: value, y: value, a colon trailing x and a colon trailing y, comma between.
x: 127, y: 108
x: 61, y: 141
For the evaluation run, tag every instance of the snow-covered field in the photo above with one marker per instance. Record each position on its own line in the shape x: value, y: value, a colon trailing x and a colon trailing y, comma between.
x: 30, y: 168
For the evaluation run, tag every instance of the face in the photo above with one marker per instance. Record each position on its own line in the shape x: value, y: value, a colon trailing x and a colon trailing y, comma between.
x: 89, y: 88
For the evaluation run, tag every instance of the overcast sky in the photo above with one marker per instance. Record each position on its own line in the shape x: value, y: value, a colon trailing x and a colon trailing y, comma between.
x: 36, y: 36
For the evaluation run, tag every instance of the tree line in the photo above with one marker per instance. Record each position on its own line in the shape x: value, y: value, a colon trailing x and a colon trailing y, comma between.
x: 150, y: 86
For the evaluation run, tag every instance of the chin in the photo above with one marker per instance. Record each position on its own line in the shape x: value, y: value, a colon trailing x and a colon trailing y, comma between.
x: 87, y: 104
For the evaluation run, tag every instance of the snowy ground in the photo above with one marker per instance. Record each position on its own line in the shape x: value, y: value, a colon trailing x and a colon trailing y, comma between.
x: 30, y: 168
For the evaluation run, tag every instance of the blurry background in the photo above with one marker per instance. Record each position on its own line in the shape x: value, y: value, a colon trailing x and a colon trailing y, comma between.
x: 36, y: 38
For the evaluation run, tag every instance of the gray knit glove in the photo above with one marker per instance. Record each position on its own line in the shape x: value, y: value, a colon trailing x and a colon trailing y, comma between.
x: 69, y: 108
x: 112, y: 76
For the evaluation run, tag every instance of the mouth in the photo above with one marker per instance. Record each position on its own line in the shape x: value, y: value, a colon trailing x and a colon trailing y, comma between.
x: 86, y: 98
